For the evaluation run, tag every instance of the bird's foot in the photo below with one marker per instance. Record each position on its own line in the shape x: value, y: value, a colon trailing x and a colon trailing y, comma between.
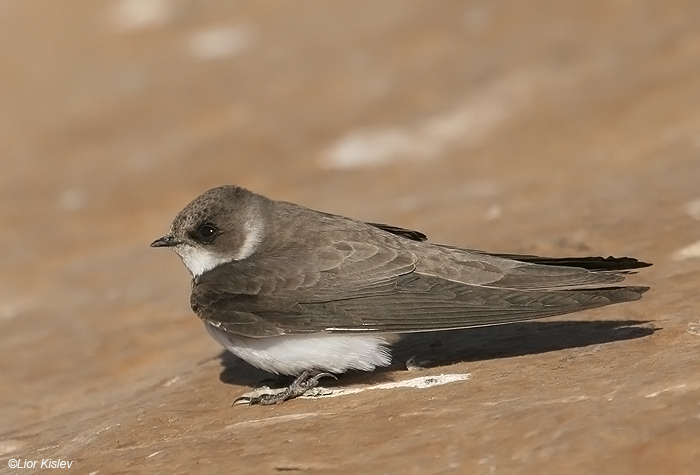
x: 414, y: 364
x: 304, y: 385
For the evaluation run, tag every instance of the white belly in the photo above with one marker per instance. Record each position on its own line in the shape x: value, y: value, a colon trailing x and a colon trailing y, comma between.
x: 293, y: 354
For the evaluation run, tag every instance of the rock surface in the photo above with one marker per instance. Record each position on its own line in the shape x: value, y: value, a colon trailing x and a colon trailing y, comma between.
x: 542, y: 127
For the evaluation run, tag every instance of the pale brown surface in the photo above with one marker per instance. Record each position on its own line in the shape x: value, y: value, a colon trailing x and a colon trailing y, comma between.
x: 541, y: 127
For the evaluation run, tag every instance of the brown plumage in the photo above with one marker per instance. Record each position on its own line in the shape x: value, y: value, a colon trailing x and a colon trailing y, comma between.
x: 267, y: 269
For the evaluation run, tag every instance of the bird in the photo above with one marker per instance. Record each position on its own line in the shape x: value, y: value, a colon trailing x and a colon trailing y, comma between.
x: 308, y: 294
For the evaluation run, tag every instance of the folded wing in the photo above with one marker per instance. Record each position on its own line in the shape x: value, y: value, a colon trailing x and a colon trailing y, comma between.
x: 356, y: 286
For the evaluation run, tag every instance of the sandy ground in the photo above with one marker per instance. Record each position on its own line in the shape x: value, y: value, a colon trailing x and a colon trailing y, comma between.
x: 543, y: 127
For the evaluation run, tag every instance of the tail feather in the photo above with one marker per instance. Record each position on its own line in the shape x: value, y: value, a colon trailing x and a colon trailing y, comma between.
x: 590, y: 263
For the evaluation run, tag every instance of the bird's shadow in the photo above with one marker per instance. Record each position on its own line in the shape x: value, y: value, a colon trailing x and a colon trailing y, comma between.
x: 474, y: 344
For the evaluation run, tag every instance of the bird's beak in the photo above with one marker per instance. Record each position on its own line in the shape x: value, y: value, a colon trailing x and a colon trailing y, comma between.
x: 166, y: 241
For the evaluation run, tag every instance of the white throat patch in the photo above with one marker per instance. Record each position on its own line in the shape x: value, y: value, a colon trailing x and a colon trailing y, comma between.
x: 199, y: 260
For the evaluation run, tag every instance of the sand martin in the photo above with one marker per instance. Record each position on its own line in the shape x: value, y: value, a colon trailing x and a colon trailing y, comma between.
x: 304, y: 293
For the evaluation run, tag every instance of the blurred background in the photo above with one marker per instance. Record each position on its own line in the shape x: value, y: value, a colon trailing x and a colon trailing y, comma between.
x: 546, y: 127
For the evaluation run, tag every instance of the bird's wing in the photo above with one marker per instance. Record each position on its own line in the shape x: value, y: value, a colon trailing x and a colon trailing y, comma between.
x: 520, y: 272
x: 379, y: 286
x: 428, y: 303
x: 462, y: 265
x: 403, y: 232
x: 264, y: 297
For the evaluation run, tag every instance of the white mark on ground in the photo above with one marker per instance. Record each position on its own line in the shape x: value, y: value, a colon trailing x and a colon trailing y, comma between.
x: 688, y: 252
x: 669, y: 389
x: 468, y: 125
x: 222, y: 42
x: 278, y: 419
x: 153, y: 454
x: 422, y: 382
x: 48, y: 447
x: 692, y: 208
x: 694, y: 328
x: 172, y: 381
x: 493, y: 212
x: 10, y: 445
x: 106, y: 429
x: 566, y: 400
x: 71, y: 200
x: 133, y: 15
x: 502, y: 401
x: 10, y: 310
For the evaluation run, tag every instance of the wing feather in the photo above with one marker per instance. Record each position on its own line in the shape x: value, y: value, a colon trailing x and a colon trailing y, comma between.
x: 387, y: 280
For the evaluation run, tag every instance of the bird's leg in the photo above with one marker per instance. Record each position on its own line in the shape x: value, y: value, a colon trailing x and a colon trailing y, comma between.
x: 305, y: 381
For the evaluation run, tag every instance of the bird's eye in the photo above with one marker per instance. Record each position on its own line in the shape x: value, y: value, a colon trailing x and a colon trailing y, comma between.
x: 207, y: 232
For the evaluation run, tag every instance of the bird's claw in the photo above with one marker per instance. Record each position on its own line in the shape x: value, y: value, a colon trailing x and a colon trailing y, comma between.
x: 301, y: 386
